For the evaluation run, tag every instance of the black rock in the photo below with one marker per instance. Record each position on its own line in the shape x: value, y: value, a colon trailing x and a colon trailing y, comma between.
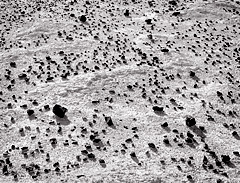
x: 190, y: 135
x: 166, y: 141
x: 205, y: 160
x: 91, y: 156
x: 165, y: 50
x: 102, y: 161
x: 133, y: 154
x: 53, y: 141
x: 164, y: 125
x: 97, y: 142
x: 109, y: 121
x: 152, y: 145
x: 176, y: 13
x: 157, y: 109
x: 190, y: 121
x: 84, y: 152
x: 192, y: 74
x: 234, y: 133
x: 13, y: 64
x: 50, y: 78
x: 219, y: 94
x: 218, y: 163
x: 46, y: 107
x: 225, y: 158
x: 56, y: 164
x: 48, y: 58
x: 126, y: 13
x: 22, y: 76
x: 30, y: 112
x: 59, y: 111
x: 189, y: 140
x: 5, y: 170
x: 174, y: 3
x: 202, y: 128
x: 148, y: 21
x: 83, y: 18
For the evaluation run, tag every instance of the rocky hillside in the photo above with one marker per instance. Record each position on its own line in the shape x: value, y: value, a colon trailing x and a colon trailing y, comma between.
x: 120, y: 91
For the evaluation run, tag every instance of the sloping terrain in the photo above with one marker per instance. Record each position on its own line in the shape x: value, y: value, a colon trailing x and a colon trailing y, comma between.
x: 120, y: 91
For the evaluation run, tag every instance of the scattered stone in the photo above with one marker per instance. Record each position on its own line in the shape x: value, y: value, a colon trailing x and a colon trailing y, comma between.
x: 157, y: 109
x: 192, y: 74
x: 102, y: 163
x: 236, y: 153
x: 148, y: 21
x: 46, y: 107
x: 22, y: 76
x: 190, y: 121
x: 176, y: 13
x: 165, y: 50
x: 13, y: 64
x: 225, y: 159
x: 126, y: 13
x: 30, y: 112
x: 83, y: 18
x: 133, y: 154
x: 174, y: 3
x: 91, y: 156
x: 109, y: 121
x: 59, y: 111
x: 235, y: 134
x: 164, y: 125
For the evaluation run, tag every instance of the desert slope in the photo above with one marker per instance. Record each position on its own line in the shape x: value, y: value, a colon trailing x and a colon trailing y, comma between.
x: 120, y: 91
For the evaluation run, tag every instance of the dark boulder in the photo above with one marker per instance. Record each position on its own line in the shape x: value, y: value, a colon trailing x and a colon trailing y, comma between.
x: 148, y: 21
x: 83, y: 18
x: 190, y: 121
x: 225, y: 159
x: 30, y: 112
x: 157, y: 109
x: 165, y: 50
x: 59, y: 111
x: 13, y: 64
x: 174, y: 3
x: 176, y: 13
x: 126, y: 13
x: 109, y: 121
x: 192, y: 74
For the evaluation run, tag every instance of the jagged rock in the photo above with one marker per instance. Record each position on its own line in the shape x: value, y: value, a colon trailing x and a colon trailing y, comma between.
x: 192, y: 74
x: 174, y: 3
x: 126, y: 13
x: 83, y: 18
x: 109, y: 121
x: 148, y: 21
x: 157, y: 109
x: 190, y: 121
x: 13, y: 64
x: 164, y: 125
x: 59, y: 111
x: 225, y: 158
x: 165, y: 50
x: 30, y: 112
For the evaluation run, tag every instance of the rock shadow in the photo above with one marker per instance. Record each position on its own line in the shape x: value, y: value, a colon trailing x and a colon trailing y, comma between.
x: 63, y: 121
x: 230, y: 164
x: 160, y: 113
x: 236, y: 137
x: 154, y: 149
x: 197, y: 131
x: 167, y: 129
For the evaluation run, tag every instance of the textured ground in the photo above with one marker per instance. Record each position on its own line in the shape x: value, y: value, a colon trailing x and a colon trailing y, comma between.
x: 125, y: 59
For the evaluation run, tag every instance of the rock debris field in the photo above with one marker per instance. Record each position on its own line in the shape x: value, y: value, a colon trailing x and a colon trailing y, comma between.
x: 120, y: 91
